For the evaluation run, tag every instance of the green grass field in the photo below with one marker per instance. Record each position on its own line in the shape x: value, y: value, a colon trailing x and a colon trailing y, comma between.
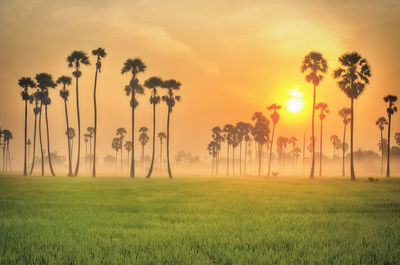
x: 198, y: 220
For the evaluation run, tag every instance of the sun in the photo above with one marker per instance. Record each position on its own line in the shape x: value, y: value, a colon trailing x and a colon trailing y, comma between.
x: 295, y: 103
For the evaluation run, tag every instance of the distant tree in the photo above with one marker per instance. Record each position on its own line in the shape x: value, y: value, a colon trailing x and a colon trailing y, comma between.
x: 25, y: 83
x: 162, y: 136
x: 334, y: 140
x: 234, y: 144
x: 116, y: 145
x: 6, y: 145
x: 315, y: 65
x: 218, y: 138
x: 86, y: 139
x: 390, y: 110
x: 121, y: 133
x: 135, y: 66
x: 28, y: 143
x: 128, y: 147
x: 296, y: 153
x: 247, y: 140
x: 345, y: 114
x: 99, y: 53
x: 275, y: 119
x: 64, y: 94
x: 90, y: 136
x: 153, y: 83
x: 70, y: 133
x: 281, y: 143
x: 36, y: 110
x: 324, y: 110
x: 383, y: 145
x: 381, y: 122
x: 228, y: 136
x: 242, y: 129
x: 261, y: 134
x: 143, y: 139
x: 170, y: 99
x: 397, y: 138
x: 353, y: 75
x: 212, y: 150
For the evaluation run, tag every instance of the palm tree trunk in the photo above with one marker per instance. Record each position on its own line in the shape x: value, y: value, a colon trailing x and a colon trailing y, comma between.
x: 382, y: 151
x: 8, y: 155
x: 245, y: 158
x: 29, y: 154
x: 48, y: 143
x: 353, y: 175
x: 259, y: 158
x: 212, y: 165
x: 69, y: 142
x: 388, y: 147
x: 116, y: 161
x: 320, y: 153
x: 40, y: 137
x: 26, y: 125
x: 34, y: 143
x: 270, y: 151
x: 4, y: 154
x: 227, y: 160
x: 90, y: 153
x: 132, y: 174
x: 154, y: 140
x: 240, y: 158
x: 79, y: 128
x: 160, y: 157
x: 312, y: 137
x: 95, y: 124
x: 142, y: 159
x: 121, y: 158
x: 344, y: 151
x: 233, y: 160
x: 128, y: 161
x: 86, y: 157
x: 169, y: 167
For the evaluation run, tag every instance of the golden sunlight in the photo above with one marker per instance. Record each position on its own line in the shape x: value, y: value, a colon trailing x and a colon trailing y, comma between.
x: 295, y: 102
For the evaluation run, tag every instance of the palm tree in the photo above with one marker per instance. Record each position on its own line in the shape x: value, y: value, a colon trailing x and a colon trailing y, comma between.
x: 391, y: 99
x: 36, y: 111
x: 243, y: 129
x: 382, y: 144
x: 6, y: 145
x: 345, y: 114
x: 143, y: 139
x: 161, y: 136
x: 282, y: 142
x: 353, y: 76
x: 296, y: 153
x: 275, y: 119
x: 397, y: 138
x: 170, y: 99
x: 100, y: 53
x: 86, y: 139
x: 212, y: 150
x: 64, y: 94
x: 135, y: 66
x: 293, y: 141
x: 44, y: 82
x: 70, y: 133
x: 381, y: 122
x: 228, y: 135
x: 261, y: 134
x: 334, y: 140
x: 28, y: 143
x: 153, y: 83
x: 315, y: 65
x: 75, y: 59
x: 128, y: 147
x: 121, y: 133
x: 25, y: 83
x: 324, y: 110
x: 91, y: 131
x: 116, y: 145
x: 217, y: 136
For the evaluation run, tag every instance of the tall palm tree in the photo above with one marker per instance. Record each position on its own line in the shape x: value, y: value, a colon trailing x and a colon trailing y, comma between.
x: 121, y: 133
x: 170, y: 99
x: 64, y: 94
x: 6, y: 145
x: 36, y: 111
x: 86, y: 140
x: 25, y: 83
x: 161, y: 136
x: 228, y: 135
x: 324, y: 110
x: 99, y: 53
x: 153, y: 83
x: 281, y: 143
x: 44, y: 82
x: 353, y: 74
x: 275, y: 119
x: 261, y: 134
x: 143, y: 139
x: 116, y: 145
x: 135, y: 66
x: 381, y: 122
x: 345, y: 114
x: 315, y: 65
x: 76, y: 59
x: 91, y: 131
x: 128, y: 147
x: 28, y: 143
x: 212, y: 150
x: 391, y: 99
x: 217, y: 136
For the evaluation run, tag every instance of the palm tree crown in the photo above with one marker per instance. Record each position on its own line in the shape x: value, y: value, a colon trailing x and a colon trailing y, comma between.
x: 314, y: 64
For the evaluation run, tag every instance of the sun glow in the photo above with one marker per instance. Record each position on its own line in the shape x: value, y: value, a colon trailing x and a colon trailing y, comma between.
x: 295, y: 103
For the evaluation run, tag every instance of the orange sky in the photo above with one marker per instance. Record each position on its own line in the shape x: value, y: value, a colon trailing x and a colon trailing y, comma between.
x: 232, y: 57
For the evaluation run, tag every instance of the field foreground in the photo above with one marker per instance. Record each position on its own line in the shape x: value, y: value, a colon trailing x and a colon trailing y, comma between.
x: 198, y: 221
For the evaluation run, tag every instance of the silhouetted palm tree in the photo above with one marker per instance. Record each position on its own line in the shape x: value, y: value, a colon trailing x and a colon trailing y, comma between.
x: 247, y: 140
x: 296, y: 153
x: 212, y: 150
x: 315, y: 65
x: 170, y: 99
x: 217, y: 136
x: 281, y: 143
x: 324, y: 110
x: 345, y: 114
x: 153, y: 83
x: 90, y: 136
x: 228, y: 136
x: 242, y: 129
x: 6, y: 145
x: 76, y: 59
x: 381, y: 122
x: 334, y: 140
x: 135, y: 66
x: 143, y: 139
x: 99, y: 53
x: 397, y: 138
x: 161, y: 136
x: 261, y: 134
x: 36, y: 111
x: 121, y: 133
x: 25, y: 83
x: 64, y: 93
x: 353, y: 76
x: 391, y: 99
x: 116, y: 145
x: 28, y: 143
x: 293, y: 141
x: 70, y: 133
x: 275, y: 119
x: 44, y: 82
x: 86, y: 140
x: 128, y: 148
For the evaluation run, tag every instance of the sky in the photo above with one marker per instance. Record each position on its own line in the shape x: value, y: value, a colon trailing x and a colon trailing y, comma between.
x: 232, y: 57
